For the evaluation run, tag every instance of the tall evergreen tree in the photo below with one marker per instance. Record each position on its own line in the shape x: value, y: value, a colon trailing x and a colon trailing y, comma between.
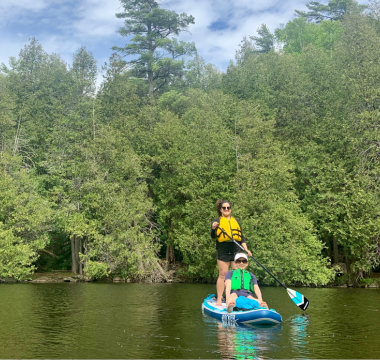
x: 158, y: 51
x: 7, y: 118
x: 25, y: 219
x: 85, y: 71
x: 39, y: 84
x: 334, y: 10
x: 265, y: 41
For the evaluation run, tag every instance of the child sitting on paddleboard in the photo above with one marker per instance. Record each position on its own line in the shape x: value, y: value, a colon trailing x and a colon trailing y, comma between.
x: 240, y: 282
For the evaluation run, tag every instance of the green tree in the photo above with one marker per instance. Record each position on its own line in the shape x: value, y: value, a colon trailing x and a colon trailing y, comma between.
x: 158, y: 51
x: 298, y: 34
x: 38, y: 82
x: 120, y: 97
x: 277, y: 231
x: 264, y: 43
x: 357, y: 58
x: 84, y: 70
x: 70, y: 133
x: 104, y: 210
x: 245, y: 51
x: 193, y: 161
x: 255, y: 45
x: 334, y: 10
x: 325, y: 107
x: 221, y: 147
x: 199, y: 75
x: 7, y: 116
x: 25, y: 219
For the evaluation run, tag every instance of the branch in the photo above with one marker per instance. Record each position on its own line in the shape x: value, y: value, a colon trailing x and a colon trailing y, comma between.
x: 162, y: 84
x: 50, y: 253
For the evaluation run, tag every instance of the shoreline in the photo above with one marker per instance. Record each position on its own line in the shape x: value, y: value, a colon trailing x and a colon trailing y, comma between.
x: 62, y: 276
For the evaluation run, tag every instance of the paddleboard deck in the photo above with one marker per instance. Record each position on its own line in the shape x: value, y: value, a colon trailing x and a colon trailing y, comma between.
x: 250, y: 317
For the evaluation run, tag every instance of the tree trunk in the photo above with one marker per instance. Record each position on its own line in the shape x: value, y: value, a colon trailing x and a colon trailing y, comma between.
x: 15, y: 149
x: 336, y: 252
x: 170, y: 254
x: 78, y: 250
x: 167, y: 254
x: 74, y: 263
x: 347, y: 260
x: 150, y: 63
x: 151, y: 84
x: 85, y: 250
x: 328, y: 245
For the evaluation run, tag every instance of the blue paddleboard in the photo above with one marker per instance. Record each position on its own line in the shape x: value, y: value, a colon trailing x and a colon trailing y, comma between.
x: 251, y: 317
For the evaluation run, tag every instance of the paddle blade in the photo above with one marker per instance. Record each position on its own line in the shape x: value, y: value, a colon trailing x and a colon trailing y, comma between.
x: 298, y: 299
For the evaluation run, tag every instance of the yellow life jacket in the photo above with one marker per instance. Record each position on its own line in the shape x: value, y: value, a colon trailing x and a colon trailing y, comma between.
x: 231, y: 227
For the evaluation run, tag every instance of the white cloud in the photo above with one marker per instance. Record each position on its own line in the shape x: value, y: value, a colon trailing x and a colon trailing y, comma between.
x: 56, y: 44
x: 6, y: 5
x: 11, y: 9
x: 243, y: 18
x: 97, y: 18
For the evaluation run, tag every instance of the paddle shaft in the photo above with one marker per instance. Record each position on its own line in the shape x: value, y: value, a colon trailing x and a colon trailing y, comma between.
x: 256, y: 261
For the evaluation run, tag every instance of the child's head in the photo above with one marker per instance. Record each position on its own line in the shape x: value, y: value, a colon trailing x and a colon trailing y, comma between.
x: 241, y: 260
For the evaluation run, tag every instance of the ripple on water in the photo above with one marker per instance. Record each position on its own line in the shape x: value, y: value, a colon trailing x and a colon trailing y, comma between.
x: 165, y: 321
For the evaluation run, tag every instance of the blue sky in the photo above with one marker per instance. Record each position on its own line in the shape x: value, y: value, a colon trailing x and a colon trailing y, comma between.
x: 62, y: 26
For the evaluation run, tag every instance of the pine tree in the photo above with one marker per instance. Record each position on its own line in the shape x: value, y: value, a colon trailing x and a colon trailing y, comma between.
x: 334, y: 10
x: 159, y: 53
x: 265, y: 41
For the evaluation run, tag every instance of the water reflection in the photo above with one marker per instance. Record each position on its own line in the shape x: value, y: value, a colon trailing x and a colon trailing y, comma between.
x: 164, y: 321
x: 298, y: 330
x: 241, y: 342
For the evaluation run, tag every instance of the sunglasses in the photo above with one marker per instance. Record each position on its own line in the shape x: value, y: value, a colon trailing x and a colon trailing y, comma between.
x: 238, y: 261
x: 226, y: 207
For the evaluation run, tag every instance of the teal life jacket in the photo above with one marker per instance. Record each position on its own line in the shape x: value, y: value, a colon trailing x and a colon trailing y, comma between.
x: 241, y: 280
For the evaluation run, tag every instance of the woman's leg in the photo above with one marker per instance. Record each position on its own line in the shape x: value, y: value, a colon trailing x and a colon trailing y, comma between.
x: 231, y: 302
x: 223, y: 269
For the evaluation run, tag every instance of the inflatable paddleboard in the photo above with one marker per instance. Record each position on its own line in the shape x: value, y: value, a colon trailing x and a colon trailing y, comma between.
x: 251, y: 317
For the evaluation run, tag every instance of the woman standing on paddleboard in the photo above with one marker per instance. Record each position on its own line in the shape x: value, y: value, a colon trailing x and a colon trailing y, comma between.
x: 226, y: 249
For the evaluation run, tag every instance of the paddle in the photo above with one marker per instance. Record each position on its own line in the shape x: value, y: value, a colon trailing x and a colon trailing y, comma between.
x: 297, y: 298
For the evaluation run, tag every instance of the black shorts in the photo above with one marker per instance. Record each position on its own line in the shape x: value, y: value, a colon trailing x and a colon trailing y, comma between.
x: 226, y: 253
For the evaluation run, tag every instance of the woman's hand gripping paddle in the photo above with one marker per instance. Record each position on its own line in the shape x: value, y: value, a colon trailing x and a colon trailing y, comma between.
x: 297, y: 297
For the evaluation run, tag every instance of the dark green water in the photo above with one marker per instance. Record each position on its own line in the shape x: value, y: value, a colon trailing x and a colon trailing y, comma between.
x: 165, y: 321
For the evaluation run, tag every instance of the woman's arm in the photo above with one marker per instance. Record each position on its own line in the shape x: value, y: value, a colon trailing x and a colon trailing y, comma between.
x: 214, y: 225
x: 244, y: 245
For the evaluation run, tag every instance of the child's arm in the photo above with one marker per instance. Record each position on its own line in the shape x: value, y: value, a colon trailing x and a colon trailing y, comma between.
x: 259, y: 296
x: 227, y: 283
x: 258, y: 293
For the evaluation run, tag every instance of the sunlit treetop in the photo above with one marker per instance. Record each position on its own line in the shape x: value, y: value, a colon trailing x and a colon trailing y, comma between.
x: 334, y: 10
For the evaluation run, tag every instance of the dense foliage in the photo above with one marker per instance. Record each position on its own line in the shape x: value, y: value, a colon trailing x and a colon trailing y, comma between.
x: 124, y: 180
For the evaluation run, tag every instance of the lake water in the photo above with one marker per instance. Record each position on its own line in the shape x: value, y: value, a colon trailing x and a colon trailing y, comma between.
x: 149, y: 321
